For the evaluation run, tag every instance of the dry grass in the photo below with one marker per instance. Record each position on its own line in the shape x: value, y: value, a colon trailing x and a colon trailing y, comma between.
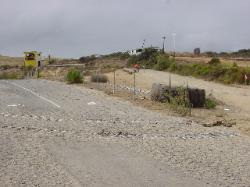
x: 207, y: 59
x: 11, y: 61
x: 112, y: 63
x: 99, y: 78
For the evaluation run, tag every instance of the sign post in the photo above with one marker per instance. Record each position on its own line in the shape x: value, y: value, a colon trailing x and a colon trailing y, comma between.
x: 114, y: 84
x: 134, y: 85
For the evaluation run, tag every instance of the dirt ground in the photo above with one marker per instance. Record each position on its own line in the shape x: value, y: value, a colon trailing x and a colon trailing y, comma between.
x: 235, y: 99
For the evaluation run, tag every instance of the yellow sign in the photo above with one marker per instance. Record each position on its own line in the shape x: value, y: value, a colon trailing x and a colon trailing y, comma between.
x: 32, y: 59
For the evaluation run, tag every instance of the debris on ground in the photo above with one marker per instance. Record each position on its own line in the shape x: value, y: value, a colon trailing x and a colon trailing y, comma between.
x: 128, y: 70
x: 225, y: 123
x: 105, y: 132
x: 91, y: 103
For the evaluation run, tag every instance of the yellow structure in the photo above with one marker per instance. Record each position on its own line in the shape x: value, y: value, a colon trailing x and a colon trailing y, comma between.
x: 32, y: 59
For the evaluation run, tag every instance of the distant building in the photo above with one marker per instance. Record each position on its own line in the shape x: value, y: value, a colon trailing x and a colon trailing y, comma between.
x: 197, y: 51
x: 138, y: 51
x: 97, y: 55
x: 135, y: 52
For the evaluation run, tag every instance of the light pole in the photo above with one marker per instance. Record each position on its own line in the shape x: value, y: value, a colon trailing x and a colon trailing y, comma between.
x: 174, y: 42
x: 163, y: 46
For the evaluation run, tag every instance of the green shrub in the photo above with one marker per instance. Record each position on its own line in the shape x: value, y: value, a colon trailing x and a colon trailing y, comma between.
x: 99, y: 78
x: 173, y: 67
x: 214, y: 61
x: 74, y: 76
x: 163, y: 62
x: 86, y: 59
x: 148, y: 58
x: 120, y: 55
x: 148, y: 53
x: 180, y: 102
x: 210, y: 103
x: 132, y: 60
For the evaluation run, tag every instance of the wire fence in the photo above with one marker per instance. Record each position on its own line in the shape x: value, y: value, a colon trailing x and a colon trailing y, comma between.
x: 113, y: 86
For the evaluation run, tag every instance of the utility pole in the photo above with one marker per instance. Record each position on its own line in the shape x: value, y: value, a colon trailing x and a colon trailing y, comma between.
x: 174, y: 42
x: 163, y: 46
x: 49, y: 57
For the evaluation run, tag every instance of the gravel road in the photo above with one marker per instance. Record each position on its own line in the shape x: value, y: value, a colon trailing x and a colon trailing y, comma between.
x: 53, y: 134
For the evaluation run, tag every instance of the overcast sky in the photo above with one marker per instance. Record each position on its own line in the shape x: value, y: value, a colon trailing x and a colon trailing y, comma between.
x: 74, y: 28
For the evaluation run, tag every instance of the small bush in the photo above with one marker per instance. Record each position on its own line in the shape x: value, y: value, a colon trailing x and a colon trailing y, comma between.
x: 148, y: 58
x: 148, y: 53
x: 173, y: 67
x: 210, y: 103
x: 99, y: 78
x: 74, y: 76
x: 86, y: 59
x: 163, y: 62
x: 214, y: 61
x: 179, y: 101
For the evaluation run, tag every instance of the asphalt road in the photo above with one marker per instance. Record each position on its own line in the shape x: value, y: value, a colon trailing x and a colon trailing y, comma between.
x: 77, y: 163
x: 53, y: 134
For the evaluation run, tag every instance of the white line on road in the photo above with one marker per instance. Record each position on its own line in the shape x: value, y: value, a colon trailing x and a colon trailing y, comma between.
x: 35, y: 94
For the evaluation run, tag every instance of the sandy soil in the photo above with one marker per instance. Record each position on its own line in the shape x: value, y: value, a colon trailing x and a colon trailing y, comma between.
x: 235, y: 98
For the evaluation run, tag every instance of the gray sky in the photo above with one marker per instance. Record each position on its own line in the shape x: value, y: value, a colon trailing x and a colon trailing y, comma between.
x: 74, y: 28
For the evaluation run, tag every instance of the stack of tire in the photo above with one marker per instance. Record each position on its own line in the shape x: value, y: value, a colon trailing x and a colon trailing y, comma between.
x: 161, y: 92
x: 197, y: 97
x: 158, y: 92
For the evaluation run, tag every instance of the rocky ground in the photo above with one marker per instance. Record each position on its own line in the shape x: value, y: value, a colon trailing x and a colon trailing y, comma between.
x: 41, y: 124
